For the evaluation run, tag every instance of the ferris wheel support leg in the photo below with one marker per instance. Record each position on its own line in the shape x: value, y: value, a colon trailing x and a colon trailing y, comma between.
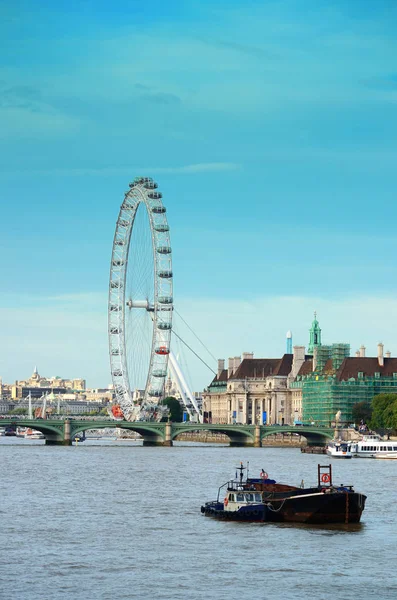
x: 180, y: 388
x: 183, y: 386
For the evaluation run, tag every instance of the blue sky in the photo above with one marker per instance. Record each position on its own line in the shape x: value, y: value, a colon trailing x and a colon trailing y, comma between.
x: 271, y: 129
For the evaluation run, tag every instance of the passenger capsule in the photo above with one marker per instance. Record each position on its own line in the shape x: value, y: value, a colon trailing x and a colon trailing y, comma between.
x: 165, y: 299
x: 159, y: 373
x: 162, y: 350
x: 159, y: 210
x: 164, y: 326
x: 161, y: 227
x: 164, y: 250
x: 155, y: 195
x: 165, y: 274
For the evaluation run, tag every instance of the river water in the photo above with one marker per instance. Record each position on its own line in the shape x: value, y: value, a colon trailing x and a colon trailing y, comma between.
x: 113, y: 520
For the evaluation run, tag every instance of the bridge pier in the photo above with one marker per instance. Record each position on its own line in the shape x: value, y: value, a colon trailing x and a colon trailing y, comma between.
x: 168, y: 434
x: 257, y: 439
x: 52, y: 442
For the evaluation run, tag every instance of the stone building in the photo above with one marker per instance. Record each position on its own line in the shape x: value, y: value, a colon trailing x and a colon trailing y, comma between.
x: 36, y: 385
x: 333, y: 384
x: 250, y: 391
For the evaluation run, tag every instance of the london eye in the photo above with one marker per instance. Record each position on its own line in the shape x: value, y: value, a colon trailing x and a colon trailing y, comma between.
x: 140, y: 301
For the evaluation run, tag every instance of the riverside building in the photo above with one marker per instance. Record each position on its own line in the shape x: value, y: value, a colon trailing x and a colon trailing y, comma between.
x: 36, y: 385
x: 250, y: 390
x: 299, y: 387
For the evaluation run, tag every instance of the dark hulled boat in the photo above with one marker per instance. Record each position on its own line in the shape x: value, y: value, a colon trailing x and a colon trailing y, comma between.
x: 264, y: 500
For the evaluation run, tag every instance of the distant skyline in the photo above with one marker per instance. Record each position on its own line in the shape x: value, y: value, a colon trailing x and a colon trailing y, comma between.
x: 271, y: 130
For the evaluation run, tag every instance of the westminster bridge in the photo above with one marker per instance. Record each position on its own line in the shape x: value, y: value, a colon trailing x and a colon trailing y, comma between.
x: 64, y: 431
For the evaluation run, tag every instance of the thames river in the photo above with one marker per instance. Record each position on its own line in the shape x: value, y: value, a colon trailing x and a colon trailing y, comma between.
x: 108, y: 520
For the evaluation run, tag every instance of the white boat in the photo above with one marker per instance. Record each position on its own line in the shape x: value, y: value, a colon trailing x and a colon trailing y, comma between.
x: 2, y: 431
x: 387, y: 455
x: 32, y: 434
x: 339, y: 449
x: 373, y: 446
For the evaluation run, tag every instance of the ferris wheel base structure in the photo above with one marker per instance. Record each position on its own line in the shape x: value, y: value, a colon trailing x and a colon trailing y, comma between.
x: 141, y: 282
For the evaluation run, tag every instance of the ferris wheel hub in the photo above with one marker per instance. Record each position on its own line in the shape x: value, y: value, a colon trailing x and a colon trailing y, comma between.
x: 140, y: 304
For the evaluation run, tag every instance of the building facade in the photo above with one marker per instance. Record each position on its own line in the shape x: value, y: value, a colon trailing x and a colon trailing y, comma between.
x: 332, y: 382
x: 37, y: 385
x: 250, y: 391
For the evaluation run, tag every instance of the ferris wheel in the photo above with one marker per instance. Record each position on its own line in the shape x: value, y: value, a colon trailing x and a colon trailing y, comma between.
x: 140, y: 301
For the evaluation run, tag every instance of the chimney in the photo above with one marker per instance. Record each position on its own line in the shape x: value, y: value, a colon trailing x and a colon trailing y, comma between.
x: 221, y: 366
x: 362, y: 351
x: 230, y: 364
x: 249, y: 355
x: 380, y: 355
x: 357, y: 353
x: 388, y: 354
x: 297, y: 360
x: 236, y: 363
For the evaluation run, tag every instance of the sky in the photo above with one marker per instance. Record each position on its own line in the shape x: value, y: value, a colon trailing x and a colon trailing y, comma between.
x: 270, y: 127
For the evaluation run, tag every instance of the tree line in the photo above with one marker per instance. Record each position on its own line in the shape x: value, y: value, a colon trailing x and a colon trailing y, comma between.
x: 380, y: 415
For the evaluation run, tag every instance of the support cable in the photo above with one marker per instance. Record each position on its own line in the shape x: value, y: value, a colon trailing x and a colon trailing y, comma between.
x: 195, y: 353
x: 195, y: 335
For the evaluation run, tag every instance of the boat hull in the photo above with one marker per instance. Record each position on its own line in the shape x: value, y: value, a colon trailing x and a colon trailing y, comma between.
x: 341, y: 506
x: 323, y: 507
x: 254, y: 514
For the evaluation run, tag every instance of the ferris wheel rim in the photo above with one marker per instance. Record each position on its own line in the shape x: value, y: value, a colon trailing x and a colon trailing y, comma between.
x: 142, y: 192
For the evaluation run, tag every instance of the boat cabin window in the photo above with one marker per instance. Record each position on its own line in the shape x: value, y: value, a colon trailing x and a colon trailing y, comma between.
x: 249, y: 497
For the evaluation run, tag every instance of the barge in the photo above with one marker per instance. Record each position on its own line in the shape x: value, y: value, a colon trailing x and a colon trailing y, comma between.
x: 265, y: 500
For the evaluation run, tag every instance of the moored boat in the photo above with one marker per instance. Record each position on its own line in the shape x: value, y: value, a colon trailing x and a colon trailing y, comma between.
x: 10, y: 431
x: 373, y: 446
x: 265, y: 500
x: 33, y: 434
x: 338, y: 449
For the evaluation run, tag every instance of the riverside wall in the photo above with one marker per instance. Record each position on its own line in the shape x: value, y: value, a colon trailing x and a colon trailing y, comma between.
x: 277, y: 440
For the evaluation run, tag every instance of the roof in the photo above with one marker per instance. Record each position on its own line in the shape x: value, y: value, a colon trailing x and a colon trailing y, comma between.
x: 222, y: 377
x: 285, y: 365
x: 307, y: 367
x: 351, y: 366
x: 258, y: 368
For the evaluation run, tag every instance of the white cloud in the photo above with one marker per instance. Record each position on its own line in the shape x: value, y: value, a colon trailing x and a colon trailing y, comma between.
x: 110, y: 171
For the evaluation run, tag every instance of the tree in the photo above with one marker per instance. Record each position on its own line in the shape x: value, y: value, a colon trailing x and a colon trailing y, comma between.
x: 19, y: 411
x: 361, y: 411
x: 176, y: 412
x: 384, y: 412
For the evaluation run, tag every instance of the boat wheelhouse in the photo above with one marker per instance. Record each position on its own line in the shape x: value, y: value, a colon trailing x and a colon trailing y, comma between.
x: 338, y: 449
